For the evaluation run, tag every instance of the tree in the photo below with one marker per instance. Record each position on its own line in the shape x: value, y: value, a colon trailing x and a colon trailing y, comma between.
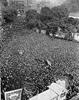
x: 72, y: 21
x: 54, y: 17
x: 60, y: 12
x: 31, y: 14
x: 4, y: 2
x: 32, y: 18
x: 9, y: 14
x: 45, y: 14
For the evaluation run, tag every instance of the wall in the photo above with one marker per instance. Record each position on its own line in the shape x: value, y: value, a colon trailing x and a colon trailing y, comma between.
x: 76, y: 37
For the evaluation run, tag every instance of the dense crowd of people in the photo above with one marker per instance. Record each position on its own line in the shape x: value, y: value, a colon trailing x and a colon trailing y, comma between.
x: 18, y: 74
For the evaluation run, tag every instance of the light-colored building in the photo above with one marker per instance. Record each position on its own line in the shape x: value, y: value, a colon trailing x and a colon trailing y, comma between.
x: 76, y: 37
x: 74, y: 15
x: 0, y: 10
x: 18, y: 0
x: 46, y: 95
x: 55, y: 92
x: 37, y: 4
x: 61, y: 83
x: 59, y: 90
x: 0, y: 14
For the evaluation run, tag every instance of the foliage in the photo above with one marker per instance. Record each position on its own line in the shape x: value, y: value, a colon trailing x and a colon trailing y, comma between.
x: 45, y: 14
x: 9, y: 14
x: 60, y: 12
x: 72, y: 21
x: 54, y: 17
x: 55, y: 13
x: 31, y: 23
x: 4, y: 2
x: 32, y: 18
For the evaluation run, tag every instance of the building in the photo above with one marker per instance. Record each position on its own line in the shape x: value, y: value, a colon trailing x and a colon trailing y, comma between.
x: 0, y: 11
x: 55, y: 92
x: 18, y: 0
x: 0, y: 14
x: 61, y: 82
x: 26, y: 2
x: 46, y: 95
x: 59, y: 90
x: 74, y: 15
x: 76, y: 37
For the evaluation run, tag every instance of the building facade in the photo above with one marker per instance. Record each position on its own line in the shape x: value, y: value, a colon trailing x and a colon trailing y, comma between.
x: 55, y: 92
x: 0, y: 13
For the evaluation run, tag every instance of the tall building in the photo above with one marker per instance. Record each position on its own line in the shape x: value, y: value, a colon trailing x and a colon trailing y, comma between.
x: 25, y: 1
x: 0, y: 10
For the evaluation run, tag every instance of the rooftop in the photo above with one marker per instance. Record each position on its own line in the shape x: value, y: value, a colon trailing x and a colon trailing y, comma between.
x: 74, y: 15
x: 57, y: 88
x: 46, y: 95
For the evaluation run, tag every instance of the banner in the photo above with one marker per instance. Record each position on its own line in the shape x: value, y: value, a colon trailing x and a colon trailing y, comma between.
x: 13, y: 95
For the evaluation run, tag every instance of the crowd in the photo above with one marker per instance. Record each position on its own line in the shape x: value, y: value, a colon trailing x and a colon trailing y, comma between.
x: 16, y: 73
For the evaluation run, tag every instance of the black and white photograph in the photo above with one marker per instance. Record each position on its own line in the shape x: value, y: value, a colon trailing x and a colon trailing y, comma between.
x: 39, y: 49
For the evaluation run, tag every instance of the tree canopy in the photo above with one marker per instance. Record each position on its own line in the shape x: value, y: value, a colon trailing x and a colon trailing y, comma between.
x: 31, y: 14
x: 32, y: 18
x: 9, y: 14
x: 4, y: 2
x: 46, y: 13
x: 54, y: 16
x: 60, y: 12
